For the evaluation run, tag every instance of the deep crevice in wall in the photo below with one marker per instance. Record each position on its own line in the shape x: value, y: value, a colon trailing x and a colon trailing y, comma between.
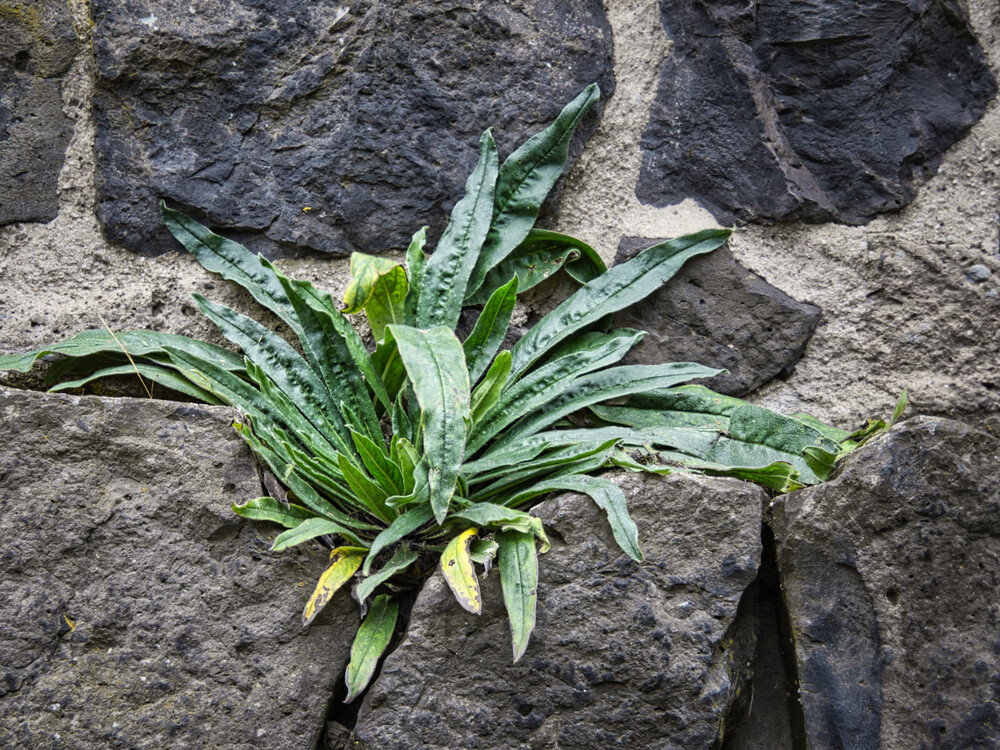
x: 772, y: 718
x: 341, y: 717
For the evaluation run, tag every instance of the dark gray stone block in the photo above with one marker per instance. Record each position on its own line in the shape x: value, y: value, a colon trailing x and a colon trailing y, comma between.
x: 37, y: 47
x: 823, y: 110
x: 324, y: 125
x: 717, y: 313
x: 623, y: 655
x: 890, y: 572
x: 136, y: 609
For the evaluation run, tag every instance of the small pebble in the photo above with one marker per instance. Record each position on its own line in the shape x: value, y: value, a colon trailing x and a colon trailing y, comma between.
x: 978, y: 273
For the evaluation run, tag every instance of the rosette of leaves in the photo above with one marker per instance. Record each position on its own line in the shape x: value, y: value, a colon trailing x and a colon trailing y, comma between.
x: 431, y: 447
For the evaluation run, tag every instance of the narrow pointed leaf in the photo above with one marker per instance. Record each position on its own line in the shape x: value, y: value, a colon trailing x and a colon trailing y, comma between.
x: 166, y: 377
x: 380, y: 466
x: 444, y: 278
x: 308, y: 529
x: 490, y: 329
x: 232, y: 261
x: 523, y: 183
x: 459, y: 572
x: 683, y: 406
x: 602, y: 386
x: 344, y: 562
x: 370, y: 643
x: 339, y: 330
x: 371, y: 495
x: 518, y: 564
x: 621, y: 286
x: 552, y: 381
x: 284, y: 366
x: 137, y: 343
x: 832, y: 433
x: 490, y: 514
x: 403, y: 559
x: 269, y: 509
x: 608, y: 497
x: 403, y: 526
x: 416, y: 261
x: 435, y: 363
x: 327, y: 347
x: 488, y: 392
x: 529, y: 267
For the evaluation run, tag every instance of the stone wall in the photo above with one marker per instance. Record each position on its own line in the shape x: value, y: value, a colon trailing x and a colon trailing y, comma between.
x: 865, y: 186
x: 854, y: 145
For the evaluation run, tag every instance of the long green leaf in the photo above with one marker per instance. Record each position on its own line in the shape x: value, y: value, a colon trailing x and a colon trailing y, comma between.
x: 293, y: 477
x: 137, y: 343
x: 339, y: 330
x: 529, y: 267
x: 512, y: 473
x: 608, y: 497
x: 387, y: 473
x: 370, y: 643
x: 518, y: 564
x: 371, y: 494
x: 404, y: 558
x: 403, y: 526
x: 232, y: 261
x: 621, y: 286
x: 537, y: 258
x: 306, y: 530
x: 505, y: 519
x: 435, y: 362
x: 523, y: 183
x: 444, y: 278
x: 285, y: 367
x: 164, y: 376
x: 269, y: 509
x: 607, y: 384
x: 683, y: 406
x: 332, y: 357
x: 487, y: 393
x: 416, y: 261
x: 491, y: 327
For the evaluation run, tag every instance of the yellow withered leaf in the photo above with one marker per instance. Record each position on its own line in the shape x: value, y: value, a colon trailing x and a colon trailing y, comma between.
x: 344, y: 562
x: 456, y: 564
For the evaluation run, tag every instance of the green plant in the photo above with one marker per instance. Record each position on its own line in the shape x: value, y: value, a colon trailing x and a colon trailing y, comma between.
x: 431, y: 446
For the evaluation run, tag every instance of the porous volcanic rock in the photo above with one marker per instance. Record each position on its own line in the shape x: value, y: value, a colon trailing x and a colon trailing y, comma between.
x: 823, y: 110
x: 623, y: 654
x: 890, y: 573
x: 37, y: 47
x: 136, y: 610
x: 717, y: 313
x: 324, y: 125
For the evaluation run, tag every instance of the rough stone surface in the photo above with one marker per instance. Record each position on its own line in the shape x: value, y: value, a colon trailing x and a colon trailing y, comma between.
x: 136, y: 610
x: 623, y: 655
x: 821, y: 110
x: 37, y: 46
x: 716, y: 313
x: 326, y: 125
x: 890, y: 573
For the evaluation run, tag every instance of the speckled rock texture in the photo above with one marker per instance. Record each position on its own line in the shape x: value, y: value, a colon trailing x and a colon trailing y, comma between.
x: 37, y: 47
x: 623, y: 655
x: 890, y: 572
x: 327, y: 126
x: 822, y: 110
x: 136, y: 610
x: 718, y: 314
